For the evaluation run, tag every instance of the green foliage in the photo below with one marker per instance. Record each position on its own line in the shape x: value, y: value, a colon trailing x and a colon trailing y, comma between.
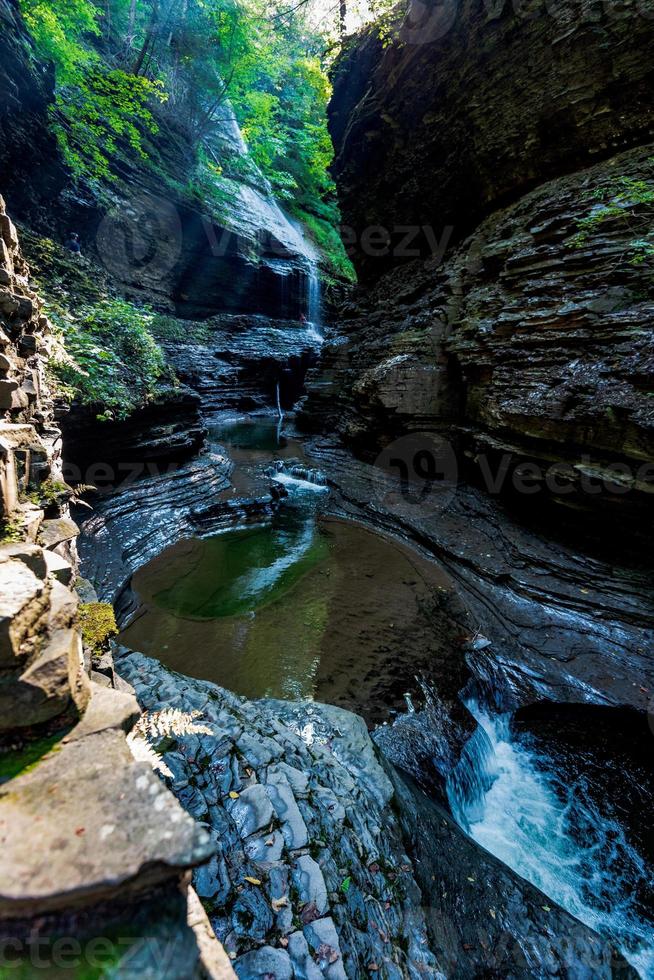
x: 331, y: 245
x: 98, y: 624
x: 112, y: 360
x: 625, y: 199
x: 98, y: 107
x: 12, y: 530
x: 125, y: 66
x: 48, y: 493
x: 171, y: 329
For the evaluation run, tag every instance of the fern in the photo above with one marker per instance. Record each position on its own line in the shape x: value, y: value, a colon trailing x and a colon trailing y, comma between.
x: 144, y: 752
x: 154, y: 726
x: 170, y: 723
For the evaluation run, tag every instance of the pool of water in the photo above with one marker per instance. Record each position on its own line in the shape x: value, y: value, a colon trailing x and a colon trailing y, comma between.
x: 306, y: 607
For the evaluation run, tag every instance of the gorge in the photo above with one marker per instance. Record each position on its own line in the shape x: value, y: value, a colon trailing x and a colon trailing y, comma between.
x: 327, y: 615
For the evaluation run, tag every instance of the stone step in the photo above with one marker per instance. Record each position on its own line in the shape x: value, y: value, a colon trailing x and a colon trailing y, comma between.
x: 106, y: 826
x: 53, y: 684
x: 24, y: 603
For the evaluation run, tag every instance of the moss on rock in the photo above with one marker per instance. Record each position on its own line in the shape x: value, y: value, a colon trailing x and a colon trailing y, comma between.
x: 98, y: 624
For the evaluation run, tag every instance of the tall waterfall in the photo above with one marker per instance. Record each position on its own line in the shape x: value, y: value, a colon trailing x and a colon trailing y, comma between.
x: 546, y: 828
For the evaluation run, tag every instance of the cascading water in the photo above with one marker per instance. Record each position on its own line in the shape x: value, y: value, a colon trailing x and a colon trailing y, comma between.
x: 510, y: 800
x: 314, y: 303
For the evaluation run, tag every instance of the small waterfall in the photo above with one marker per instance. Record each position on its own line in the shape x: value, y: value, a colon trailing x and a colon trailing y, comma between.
x: 314, y: 303
x: 515, y: 805
x: 279, y: 403
x: 297, y: 473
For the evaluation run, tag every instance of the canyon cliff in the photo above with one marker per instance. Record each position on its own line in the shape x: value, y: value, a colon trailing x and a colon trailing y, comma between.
x: 496, y: 181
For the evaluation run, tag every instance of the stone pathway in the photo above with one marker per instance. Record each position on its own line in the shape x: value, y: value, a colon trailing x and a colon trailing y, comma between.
x: 310, y: 878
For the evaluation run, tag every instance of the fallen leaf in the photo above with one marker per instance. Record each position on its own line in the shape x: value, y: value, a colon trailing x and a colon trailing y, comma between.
x: 492, y: 912
x: 309, y: 913
x: 253, y: 881
x: 546, y: 908
x: 279, y: 903
x: 345, y: 884
x: 327, y: 952
x: 472, y: 880
x: 80, y: 831
x: 283, y: 942
x: 373, y: 966
x: 233, y: 795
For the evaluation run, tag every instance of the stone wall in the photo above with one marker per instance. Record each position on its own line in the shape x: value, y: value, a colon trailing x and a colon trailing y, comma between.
x: 118, y: 845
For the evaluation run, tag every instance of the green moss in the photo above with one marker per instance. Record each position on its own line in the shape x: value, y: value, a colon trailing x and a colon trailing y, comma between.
x: 98, y: 624
x: 49, y: 492
x: 329, y: 241
x: 18, y: 762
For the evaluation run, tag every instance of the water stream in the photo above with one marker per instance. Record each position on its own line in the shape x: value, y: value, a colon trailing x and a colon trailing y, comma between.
x: 525, y: 808
x: 314, y: 304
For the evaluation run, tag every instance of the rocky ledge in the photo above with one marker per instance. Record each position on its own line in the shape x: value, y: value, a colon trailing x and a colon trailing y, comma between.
x: 320, y: 867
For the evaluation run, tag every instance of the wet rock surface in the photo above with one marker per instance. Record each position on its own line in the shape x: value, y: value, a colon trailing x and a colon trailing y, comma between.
x: 551, y: 292
x: 459, y: 108
x: 168, y: 429
x: 550, y: 623
x: 133, y: 524
x: 312, y: 876
x: 240, y: 360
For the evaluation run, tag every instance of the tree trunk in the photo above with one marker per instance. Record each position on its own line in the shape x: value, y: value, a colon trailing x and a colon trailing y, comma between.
x: 149, y: 37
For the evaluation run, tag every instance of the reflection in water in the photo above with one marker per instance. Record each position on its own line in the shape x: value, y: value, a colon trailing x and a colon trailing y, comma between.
x: 305, y: 607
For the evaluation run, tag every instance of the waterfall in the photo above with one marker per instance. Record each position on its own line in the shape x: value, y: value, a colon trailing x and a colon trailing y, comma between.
x: 513, y: 802
x: 296, y: 473
x: 314, y: 303
x: 279, y: 403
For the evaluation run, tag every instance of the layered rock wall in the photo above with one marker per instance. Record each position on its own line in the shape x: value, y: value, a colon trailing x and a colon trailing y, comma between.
x: 118, y: 845
x: 528, y: 341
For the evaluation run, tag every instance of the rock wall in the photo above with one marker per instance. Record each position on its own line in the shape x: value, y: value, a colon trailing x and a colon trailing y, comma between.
x: 321, y: 868
x: 118, y: 845
x: 528, y: 341
x: 25, y: 93
x: 464, y: 106
x: 149, y: 228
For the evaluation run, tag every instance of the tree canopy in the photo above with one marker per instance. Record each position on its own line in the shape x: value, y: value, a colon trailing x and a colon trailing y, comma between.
x: 125, y: 67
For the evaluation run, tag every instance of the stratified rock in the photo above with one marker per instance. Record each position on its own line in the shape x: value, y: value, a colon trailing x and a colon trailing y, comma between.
x: 265, y: 962
x: 351, y: 897
x: 251, y: 811
x: 441, y: 119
